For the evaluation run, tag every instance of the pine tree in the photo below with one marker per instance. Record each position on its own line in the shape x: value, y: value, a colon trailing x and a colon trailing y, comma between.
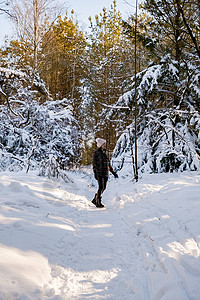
x: 111, y: 65
x: 175, y: 26
x: 64, y: 58
x: 168, y: 134
x: 168, y: 92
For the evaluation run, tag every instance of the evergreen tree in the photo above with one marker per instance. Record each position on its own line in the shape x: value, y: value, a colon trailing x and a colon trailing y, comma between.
x: 168, y: 133
x: 167, y: 91
x: 65, y: 54
x: 175, y: 26
x: 110, y: 64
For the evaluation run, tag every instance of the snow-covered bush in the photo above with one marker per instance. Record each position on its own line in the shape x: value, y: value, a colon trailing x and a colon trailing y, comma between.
x: 30, y: 131
x: 168, y: 119
x: 51, y: 168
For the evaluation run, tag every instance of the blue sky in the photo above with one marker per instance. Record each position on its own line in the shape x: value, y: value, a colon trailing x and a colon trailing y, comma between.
x: 82, y: 8
x: 86, y: 8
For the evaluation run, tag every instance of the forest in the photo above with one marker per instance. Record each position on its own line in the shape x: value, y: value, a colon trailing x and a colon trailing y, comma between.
x: 134, y: 82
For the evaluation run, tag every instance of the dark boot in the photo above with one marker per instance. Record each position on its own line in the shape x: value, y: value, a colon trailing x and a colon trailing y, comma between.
x: 94, y: 201
x: 99, y: 204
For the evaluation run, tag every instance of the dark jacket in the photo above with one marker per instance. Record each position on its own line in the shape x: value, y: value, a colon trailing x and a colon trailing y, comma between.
x: 101, y: 164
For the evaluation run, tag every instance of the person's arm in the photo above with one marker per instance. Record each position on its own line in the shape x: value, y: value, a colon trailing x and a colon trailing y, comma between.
x: 112, y: 171
x: 95, y: 165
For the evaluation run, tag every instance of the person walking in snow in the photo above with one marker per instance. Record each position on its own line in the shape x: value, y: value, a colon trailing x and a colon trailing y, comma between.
x: 101, y: 168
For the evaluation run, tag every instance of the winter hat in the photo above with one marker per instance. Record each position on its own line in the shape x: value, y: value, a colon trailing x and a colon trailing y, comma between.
x: 100, y: 142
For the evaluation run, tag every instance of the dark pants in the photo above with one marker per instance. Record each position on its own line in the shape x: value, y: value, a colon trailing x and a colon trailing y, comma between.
x: 102, y: 182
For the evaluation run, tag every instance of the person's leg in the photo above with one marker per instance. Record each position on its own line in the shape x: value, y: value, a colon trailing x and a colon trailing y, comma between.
x: 97, y: 197
x: 104, y: 183
x: 100, y: 190
x: 94, y: 201
x: 102, y: 186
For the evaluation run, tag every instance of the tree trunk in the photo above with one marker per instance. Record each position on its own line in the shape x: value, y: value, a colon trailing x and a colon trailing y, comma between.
x: 35, y: 46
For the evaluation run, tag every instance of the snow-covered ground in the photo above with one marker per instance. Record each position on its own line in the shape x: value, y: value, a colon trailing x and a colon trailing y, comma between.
x: 54, y: 244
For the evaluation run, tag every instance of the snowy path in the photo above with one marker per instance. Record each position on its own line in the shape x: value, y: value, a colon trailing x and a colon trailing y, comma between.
x: 56, y: 245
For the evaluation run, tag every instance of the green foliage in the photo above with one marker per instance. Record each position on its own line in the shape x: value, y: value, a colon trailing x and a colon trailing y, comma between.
x: 168, y: 126
x: 175, y: 26
x: 111, y: 66
x: 64, y: 58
